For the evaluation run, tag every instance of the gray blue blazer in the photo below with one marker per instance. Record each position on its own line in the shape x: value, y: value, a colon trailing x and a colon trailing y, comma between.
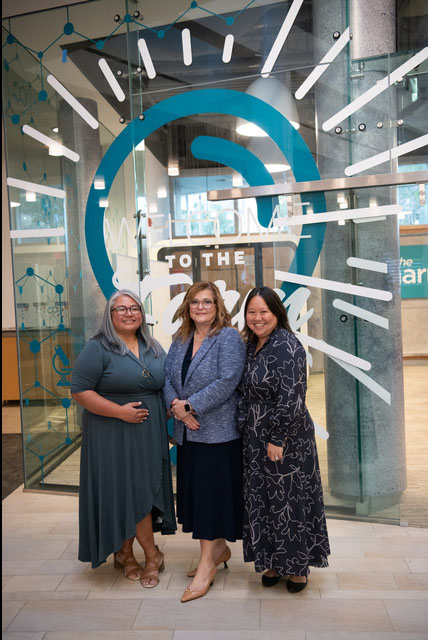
x: 210, y: 385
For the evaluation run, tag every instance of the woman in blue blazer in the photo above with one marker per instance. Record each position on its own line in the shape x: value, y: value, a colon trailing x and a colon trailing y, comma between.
x: 202, y: 371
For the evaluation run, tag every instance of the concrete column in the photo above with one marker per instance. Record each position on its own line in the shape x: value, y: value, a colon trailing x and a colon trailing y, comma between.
x: 366, y: 448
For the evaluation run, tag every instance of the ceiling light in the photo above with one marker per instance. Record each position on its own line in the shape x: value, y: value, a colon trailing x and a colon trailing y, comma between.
x: 30, y: 196
x: 277, y: 168
x: 275, y: 93
x: 162, y: 193
x: 99, y: 183
x: 55, y: 129
x: 173, y: 169
x: 15, y: 204
x: 55, y: 150
x: 267, y: 151
x: 103, y: 202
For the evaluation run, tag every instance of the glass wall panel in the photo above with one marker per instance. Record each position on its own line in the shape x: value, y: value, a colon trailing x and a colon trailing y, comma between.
x: 175, y: 123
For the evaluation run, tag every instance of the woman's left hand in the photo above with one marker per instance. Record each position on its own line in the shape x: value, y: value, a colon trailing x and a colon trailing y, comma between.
x: 178, y: 410
x: 180, y: 413
x: 275, y: 453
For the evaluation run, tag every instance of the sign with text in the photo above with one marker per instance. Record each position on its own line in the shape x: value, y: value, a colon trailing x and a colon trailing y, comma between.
x: 414, y: 271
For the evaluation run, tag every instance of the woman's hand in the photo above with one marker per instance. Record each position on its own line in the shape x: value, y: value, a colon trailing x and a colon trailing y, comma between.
x: 180, y: 413
x: 275, y: 453
x: 191, y: 422
x: 178, y: 410
x: 131, y: 412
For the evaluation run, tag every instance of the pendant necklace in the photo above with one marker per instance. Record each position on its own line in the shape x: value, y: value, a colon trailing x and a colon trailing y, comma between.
x: 145, y: 372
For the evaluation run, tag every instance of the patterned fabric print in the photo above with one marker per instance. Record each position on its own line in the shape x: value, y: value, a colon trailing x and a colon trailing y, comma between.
x: 284, y: 520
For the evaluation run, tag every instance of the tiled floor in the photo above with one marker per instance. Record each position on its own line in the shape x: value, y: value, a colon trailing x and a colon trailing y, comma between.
x: 376, y: 587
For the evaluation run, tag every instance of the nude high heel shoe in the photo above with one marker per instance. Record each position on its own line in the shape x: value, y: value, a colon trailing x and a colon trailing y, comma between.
x: 190, y: 594
x: 224, y: 557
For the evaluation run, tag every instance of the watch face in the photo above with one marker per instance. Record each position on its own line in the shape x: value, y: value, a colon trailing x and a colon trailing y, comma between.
x: 187, y: 407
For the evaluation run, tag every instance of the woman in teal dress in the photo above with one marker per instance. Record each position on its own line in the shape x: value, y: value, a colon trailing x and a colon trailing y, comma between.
x: 125, y: 473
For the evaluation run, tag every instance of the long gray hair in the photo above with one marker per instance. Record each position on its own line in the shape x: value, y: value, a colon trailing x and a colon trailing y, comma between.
x: 107, y: 333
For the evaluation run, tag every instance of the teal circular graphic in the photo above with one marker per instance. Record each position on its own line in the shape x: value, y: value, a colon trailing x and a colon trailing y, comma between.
x: 216, y: 101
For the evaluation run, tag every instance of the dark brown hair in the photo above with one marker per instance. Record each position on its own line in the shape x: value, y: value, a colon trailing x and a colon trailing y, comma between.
x: 275, y: 306
x: 222, y: 318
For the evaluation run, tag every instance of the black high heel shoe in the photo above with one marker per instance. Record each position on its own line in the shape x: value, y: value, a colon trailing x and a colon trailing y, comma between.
x: 270, y: 581
x: 295, y: 587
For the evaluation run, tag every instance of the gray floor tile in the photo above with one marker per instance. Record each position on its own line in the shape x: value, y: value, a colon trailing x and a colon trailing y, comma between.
x: 203, y: 613
x: 55, y: 615
x: 365, y: 635
x: 14, y: 549
x: 202, y: 634
x: 9, y: 611
x: 408, y: 615
x: 323, y: 615
x: 34, y: 583
x: 110, y: 635
x: 23, y: 635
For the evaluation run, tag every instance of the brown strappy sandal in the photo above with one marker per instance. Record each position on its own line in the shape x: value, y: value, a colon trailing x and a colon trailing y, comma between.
x: 129, y: 565
x: 154, y: 565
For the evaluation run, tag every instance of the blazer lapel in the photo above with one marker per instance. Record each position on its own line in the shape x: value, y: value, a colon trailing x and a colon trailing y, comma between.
x: 200, y: 355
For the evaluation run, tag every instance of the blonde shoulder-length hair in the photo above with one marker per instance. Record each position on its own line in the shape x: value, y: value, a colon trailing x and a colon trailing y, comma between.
x: 222, y: 317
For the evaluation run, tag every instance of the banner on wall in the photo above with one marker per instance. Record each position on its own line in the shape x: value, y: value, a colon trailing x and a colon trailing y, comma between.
x: 414, y: 271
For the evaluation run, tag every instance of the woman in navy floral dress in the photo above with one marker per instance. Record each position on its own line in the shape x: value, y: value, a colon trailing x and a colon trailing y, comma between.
x: 285, y: 530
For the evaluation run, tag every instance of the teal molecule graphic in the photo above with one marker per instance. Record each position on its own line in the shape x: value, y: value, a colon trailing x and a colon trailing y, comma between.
x: 69, y: 29
x: 52, y: 433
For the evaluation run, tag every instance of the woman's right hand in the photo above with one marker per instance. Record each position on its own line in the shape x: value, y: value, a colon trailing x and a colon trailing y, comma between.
x: 132, y: 412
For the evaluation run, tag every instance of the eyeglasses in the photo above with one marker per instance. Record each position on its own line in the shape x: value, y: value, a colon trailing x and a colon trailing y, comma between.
x: 121, y: 310
x: 206, y: 304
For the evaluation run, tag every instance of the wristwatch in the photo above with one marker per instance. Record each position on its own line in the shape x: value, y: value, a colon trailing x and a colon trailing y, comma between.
x: 187, y: 407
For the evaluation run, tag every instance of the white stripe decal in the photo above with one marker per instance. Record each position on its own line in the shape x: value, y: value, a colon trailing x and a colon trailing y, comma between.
x: 385, y: 156
x: 333, y: 352
x: 374, y: 318
x: 38, y: 188
x: 369, y: 265
x: 323, y: 65
x: 38, y: 233
x: 374, y: 91
x: 187, y: 47
x: 40, y: 137
x: 111, y: 79
x: 74, y: 104
x: 366, y: 381
x: 333, y: 285
x: 147, y: 59
x: 363, y: 220
x: 228, y: 48
x: 320, y: 431
x: 281, y: 37
x: 342, y: 214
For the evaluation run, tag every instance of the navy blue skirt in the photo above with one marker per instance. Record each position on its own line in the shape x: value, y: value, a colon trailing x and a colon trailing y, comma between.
x: 209, y: 489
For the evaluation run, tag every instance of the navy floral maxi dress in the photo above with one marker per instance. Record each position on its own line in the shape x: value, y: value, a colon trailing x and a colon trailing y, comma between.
x: 284, y: 520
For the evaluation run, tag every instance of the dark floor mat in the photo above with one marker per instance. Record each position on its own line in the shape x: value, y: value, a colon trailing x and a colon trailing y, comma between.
x: 12, y: 464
